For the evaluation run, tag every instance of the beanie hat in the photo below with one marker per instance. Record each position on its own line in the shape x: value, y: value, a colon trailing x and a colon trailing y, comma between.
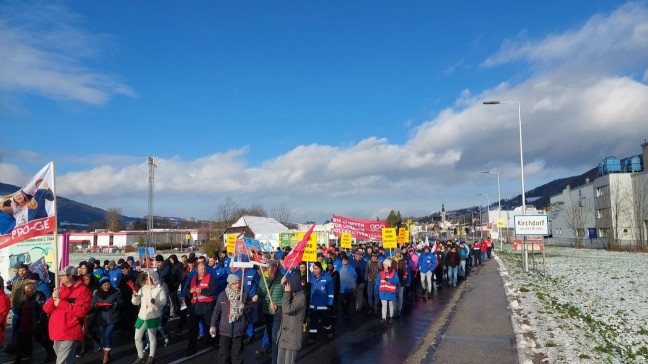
x: 34, y: 276
x: 232, y: 278
x: 295, y: 283
x: 159, y: 258
x: 104, y: 280
x: 387, y: 262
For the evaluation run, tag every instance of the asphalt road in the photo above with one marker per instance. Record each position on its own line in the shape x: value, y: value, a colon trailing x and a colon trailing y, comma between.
x: 360, y: 339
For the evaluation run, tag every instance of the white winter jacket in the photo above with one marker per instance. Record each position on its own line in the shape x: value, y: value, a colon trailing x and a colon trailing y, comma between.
x: 143, y: 298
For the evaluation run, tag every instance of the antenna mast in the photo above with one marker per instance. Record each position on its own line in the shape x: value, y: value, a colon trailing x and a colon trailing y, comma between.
x: 149, y: 223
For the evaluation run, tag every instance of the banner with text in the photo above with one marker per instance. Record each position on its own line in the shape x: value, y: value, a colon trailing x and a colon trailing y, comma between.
x: 360, y: 229
x: 30, y: 211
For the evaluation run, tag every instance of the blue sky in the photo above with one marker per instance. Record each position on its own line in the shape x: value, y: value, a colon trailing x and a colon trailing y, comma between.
x: 351, y: 108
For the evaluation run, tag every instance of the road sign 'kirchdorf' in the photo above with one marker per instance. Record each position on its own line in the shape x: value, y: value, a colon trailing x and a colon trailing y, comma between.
x: 531, y: 224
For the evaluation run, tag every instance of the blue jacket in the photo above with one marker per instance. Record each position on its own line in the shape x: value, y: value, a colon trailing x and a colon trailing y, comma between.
x: 43, y: 287
x: 322, y: 291
x: 251, y: 282
x: 427, y: 262
x: 114, y: 275
x: 361, y: 269
x: 348, y: 278
x: 382, y: 293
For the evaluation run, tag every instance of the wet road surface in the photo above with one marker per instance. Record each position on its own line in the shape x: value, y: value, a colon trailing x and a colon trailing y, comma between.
x: 359, y: 339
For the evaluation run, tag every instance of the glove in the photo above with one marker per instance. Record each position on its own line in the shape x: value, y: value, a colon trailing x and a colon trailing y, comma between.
x: 153, y: 300
x: 212, y: 331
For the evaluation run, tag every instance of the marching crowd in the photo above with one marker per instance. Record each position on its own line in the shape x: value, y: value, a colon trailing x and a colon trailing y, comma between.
x: 219, y: 300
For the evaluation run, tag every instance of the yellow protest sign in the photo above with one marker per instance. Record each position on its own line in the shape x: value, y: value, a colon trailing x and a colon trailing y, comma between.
x: 231, y: 241
x: 403, y: 235
x: 310, y: 252
x: 500, y: 223
x: 345, y: 241
x: 389, y: 238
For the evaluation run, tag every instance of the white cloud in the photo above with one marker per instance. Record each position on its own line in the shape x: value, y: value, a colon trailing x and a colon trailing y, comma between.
x: 574, y: 112
x: 42, y: 47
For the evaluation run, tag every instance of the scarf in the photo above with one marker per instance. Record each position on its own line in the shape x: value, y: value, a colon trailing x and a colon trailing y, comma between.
x: 236, y: 306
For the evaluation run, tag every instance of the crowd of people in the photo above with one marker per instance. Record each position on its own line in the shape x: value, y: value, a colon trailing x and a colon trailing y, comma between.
x: 219, y: 300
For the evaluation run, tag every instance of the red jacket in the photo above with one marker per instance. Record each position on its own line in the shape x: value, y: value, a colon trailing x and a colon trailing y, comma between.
x: 5, y: 306
x: 65, y: 319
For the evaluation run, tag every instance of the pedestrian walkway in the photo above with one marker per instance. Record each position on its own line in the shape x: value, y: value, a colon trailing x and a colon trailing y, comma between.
x: 480, y: 328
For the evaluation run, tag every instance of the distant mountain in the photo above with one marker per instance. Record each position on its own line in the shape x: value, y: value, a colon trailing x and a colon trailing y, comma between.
x: 69, y: 212
x: 537, y: 197
x: 72, y: 213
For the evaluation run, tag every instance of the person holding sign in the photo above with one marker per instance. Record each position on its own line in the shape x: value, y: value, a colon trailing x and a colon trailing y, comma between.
x: 270, y: 294
x: 151, y: 298
x: 230, y: 318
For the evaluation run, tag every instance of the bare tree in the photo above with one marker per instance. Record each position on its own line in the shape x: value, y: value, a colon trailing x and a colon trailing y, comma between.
x: 114, y: 220
x: 227, y: 211
x: 615, y: 210
x: 281, y: 212
x: 640, y: 210
x: 576, y: 216
x: 256, y: 209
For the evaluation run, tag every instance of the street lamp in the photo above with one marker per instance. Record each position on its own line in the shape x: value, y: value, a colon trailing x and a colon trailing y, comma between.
x: 487, y: 207
x: 499, y: 206
x: 526, y: 252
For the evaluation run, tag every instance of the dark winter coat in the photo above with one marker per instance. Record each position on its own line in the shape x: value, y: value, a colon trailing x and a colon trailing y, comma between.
x: 107, y: 315
x: 290, y: 336
x: 220, y: 317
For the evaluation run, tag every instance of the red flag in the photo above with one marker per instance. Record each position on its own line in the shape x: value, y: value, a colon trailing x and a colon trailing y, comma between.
x: 292, y: 260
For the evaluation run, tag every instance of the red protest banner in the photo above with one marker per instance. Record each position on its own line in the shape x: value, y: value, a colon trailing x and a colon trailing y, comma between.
x: 360, y: 229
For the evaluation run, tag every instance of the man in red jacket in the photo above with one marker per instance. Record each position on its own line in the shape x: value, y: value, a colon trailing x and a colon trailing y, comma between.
x: 67, y: 307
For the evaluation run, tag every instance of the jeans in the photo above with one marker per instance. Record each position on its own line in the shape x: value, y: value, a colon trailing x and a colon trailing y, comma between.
x: 106, y: 335
x: 452, y: 275
x: 400, y: 299
x: 462, y: 267
x: 372, y: 297
x: 272, y: 324
x: 359, y: 295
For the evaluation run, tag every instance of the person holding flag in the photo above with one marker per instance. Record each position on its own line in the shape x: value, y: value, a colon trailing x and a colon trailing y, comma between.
x: 270, y: 294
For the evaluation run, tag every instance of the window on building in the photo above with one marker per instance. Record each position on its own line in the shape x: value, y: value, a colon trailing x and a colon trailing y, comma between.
x: 603, y: 191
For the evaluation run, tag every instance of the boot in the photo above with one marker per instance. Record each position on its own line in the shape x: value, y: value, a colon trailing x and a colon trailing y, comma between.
x: 106, y: 356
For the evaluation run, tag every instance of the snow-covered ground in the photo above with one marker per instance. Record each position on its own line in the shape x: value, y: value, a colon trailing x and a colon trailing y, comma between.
x: 591, y: 307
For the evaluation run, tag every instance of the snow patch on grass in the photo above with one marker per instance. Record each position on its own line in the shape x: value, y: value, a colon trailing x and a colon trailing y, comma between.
x: 591, y: 307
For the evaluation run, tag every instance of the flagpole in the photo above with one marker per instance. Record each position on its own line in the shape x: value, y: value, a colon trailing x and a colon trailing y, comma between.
x: 266, y: 286
x: 56, y: 244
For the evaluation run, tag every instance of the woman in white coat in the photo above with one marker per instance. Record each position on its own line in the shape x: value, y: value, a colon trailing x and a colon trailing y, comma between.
x: 151, y: 298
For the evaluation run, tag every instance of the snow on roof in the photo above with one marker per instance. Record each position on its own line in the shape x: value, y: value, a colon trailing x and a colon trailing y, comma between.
x: 261, y: 225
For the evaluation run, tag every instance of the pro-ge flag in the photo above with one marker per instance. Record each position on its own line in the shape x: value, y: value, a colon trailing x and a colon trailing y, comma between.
x: 30, y: 211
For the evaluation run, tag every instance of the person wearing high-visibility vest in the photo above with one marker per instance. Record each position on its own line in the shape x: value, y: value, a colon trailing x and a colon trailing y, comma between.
x: 202, y: 289
x: 387, y: 287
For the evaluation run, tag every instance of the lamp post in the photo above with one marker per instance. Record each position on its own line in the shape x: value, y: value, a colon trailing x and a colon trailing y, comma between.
x: 526, y: 252
x: 499, y: 205
x: 487, y: 208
